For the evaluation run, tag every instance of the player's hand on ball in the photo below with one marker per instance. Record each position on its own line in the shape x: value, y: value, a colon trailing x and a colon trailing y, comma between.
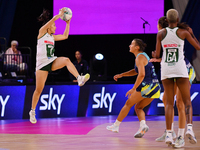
x: 61, y: 12
x: 68, y: 21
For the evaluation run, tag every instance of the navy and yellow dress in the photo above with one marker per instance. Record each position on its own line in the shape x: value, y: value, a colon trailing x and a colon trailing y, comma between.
x: 150, y: 87
x: 191, y: 71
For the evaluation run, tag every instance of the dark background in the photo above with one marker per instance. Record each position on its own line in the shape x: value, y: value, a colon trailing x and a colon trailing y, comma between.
x: 115, y: 48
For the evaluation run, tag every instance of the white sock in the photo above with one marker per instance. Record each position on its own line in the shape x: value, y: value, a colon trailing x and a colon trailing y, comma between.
x: 181, y: 132
x: 189, y: 126
x: 169, y: 132
x: 78, y: 76
x: 142, y: 122
x: 32, y: 109
x: 117, y: 123
x: 172, y: 127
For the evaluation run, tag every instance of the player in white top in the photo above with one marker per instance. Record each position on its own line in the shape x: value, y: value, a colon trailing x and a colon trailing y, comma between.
x: 46, y: 61
x: 179, y: 142
x: 173, y: 70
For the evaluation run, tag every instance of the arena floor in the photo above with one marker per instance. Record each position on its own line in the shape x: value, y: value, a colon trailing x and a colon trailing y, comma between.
x: 87, y: 133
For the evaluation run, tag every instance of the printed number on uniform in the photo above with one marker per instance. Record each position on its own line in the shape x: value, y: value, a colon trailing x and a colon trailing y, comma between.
x: 171, y: 55
x: 50, y: 50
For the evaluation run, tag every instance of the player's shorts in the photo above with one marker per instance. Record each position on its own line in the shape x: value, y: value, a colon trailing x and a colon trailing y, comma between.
x: 47, y: 67
x: 149, y: 90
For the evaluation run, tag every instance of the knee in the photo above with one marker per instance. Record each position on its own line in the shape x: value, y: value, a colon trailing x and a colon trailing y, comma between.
x: 67, y: 60
x: 179, y: 104
x: 137, y: 107
x: 187, y: 101
x: 128, y: 104
x: 170, y: 103
x: 38, y: 91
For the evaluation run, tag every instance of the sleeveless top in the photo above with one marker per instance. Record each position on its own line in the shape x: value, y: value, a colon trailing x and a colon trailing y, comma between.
x: 45, y: 51
x: 150, y: 75
x: 173, y: 64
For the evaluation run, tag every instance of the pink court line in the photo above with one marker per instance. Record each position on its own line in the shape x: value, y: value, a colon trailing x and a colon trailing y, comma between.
x: 73, y: 126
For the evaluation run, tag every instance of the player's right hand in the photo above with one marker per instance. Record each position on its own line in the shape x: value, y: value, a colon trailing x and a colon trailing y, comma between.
x: 117, y: 76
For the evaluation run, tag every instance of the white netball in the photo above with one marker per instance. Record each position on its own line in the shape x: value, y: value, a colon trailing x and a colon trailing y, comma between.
x: 67, y: 14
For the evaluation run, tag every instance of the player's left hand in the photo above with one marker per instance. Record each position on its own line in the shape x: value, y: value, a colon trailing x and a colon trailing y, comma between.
x: 68, y: 21
x: 128, y: 94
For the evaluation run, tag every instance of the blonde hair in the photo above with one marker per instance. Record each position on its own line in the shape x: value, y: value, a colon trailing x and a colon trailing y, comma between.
x: 172, y: 15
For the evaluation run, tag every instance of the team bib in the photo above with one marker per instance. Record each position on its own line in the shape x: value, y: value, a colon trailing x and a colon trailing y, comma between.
x: 171, y: 55
x: 50, y: 50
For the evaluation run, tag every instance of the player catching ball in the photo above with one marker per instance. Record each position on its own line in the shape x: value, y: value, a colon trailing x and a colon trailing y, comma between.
x: 45, y: 59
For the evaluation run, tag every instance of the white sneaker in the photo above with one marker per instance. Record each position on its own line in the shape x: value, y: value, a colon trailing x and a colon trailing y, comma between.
x: 190, y: 135
x: 32, y: 116
x: 168, y: 139
x: 82, y: 79
x: 142, y: 130
x: 179, y: 142
x: 162, y: 138
x: 113, y: 128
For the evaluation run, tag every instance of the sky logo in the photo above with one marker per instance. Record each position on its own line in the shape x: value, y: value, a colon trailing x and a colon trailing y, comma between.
x: 100, y: 100
x: 49, y: 101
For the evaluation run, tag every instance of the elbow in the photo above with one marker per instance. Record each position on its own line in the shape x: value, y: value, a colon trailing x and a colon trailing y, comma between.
x: 157, y: 56
x: 141, y: 75
x: 66, y: 37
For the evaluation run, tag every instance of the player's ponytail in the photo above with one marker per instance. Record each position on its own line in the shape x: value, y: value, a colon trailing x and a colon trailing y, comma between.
x: 182, y: 25
x: 163, y: 22
x: 141, y: 44
x: 44, y: 17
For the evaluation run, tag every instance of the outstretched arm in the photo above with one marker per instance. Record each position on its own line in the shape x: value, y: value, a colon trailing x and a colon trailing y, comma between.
x: 192, y: 39
x: 158, y: 44
x: 44, y: 28
x: 125, y: 74
x: 65, y: 34
x: 155, y: 60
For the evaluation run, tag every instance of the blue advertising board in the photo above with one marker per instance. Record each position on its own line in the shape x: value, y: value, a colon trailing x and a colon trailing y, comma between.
x: 107, y: 99
x: 58, y: 101
x: 12, y: 101
x: 157, y: 106
x: 73, y: 101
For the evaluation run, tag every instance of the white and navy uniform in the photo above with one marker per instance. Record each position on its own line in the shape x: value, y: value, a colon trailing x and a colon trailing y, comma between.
x: 173, y: 64
x: 45, y: 51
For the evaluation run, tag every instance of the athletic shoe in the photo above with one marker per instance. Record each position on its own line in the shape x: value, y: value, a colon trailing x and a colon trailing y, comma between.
x: 82, y: 79
x: 142, y: 130
x: 162, y: 138
x: 32, y: 116
x: 190, y: 135
x: 168, y: 139
x: 179, y: 142
x: 113, y: 128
